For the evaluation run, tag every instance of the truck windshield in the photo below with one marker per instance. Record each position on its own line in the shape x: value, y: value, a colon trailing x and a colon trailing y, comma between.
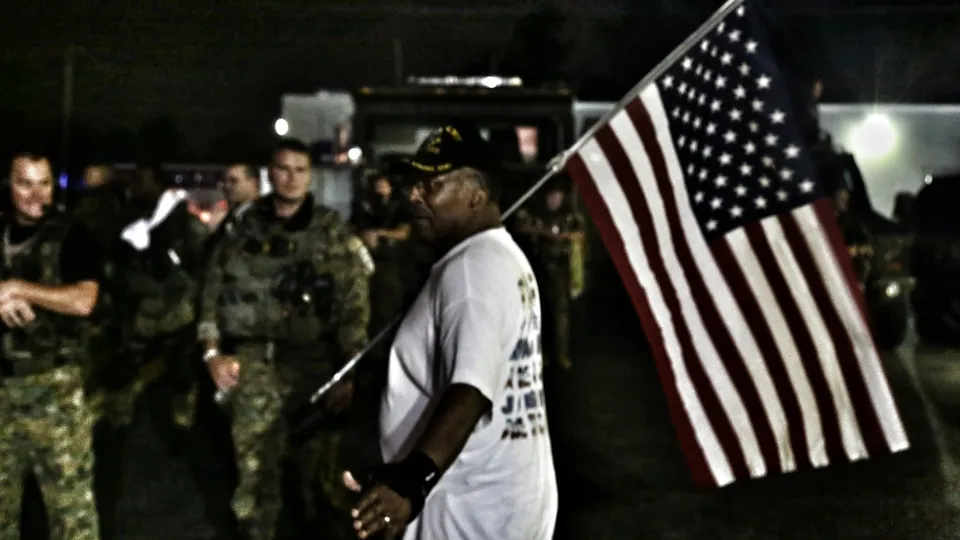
x: 518, y: 142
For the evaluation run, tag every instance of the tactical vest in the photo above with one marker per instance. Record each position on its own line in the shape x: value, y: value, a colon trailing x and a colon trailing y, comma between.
x: 99, y: 210
x: 161, y: 293
x: 264, y: 267
x: 52, y: 339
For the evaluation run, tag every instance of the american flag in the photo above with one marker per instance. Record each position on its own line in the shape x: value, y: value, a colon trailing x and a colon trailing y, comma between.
x: 708, y: 204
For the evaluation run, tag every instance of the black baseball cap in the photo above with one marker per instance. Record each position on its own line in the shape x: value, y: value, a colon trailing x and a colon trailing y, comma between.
x: 455, y: 146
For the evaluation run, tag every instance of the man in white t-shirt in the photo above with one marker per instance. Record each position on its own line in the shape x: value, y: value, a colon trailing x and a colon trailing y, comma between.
x: 463, y: 424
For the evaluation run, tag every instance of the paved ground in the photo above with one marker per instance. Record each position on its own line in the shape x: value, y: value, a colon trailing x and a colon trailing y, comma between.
x: 623, y: 477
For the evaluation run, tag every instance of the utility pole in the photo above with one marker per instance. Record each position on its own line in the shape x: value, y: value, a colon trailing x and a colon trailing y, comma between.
x: 398, y: 61
x: 67, y: 113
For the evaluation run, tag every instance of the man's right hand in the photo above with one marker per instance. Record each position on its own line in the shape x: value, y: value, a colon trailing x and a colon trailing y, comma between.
x: 16, y: 313
x: 225, y: 372
x: 370, y: 238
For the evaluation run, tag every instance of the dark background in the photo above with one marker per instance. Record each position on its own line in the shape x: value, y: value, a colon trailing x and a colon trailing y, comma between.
x: 201, y: 81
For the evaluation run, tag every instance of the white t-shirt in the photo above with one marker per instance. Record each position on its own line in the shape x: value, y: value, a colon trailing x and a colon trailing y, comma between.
x: 477, y: 322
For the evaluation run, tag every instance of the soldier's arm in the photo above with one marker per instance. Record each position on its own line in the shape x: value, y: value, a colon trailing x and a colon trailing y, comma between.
x: 207, y: 331
x: 402, y: 226
x: 400, y: 232
x: 81, y: 269
x: 351, y: 299
x: 194, y: 245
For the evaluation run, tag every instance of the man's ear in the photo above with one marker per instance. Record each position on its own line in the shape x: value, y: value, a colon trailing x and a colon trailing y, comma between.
x: 478, y: 199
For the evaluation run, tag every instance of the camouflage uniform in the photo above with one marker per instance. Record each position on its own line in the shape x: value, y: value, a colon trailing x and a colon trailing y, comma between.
x: 160, y: 293
x: 556, y: 263
x: 110, y: 378
x: 46, y: 423
x: 244, y: 310
x: 100, y: 210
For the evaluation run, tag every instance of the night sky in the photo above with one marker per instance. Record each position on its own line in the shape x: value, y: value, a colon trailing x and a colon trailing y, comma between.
x: 214, y: 68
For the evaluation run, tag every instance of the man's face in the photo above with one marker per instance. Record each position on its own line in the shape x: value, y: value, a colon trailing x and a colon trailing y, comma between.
x: 31, y: 188
x: 383, y: 188
x: 290, y: 175
x: 441, y: 204
x: 95, y: 176
x: 554, y: 200
x: 238, y: 188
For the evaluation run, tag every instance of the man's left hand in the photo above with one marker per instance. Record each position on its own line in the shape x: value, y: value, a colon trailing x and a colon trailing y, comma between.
x: 15, y: 313
x: 339, y: 397
x: 380, y: 509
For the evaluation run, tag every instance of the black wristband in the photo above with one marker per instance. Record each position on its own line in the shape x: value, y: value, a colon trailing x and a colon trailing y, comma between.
x: 424, y: 469
x: 413, y: 479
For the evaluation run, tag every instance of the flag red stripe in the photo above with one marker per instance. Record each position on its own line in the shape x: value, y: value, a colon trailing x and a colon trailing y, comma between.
x: 828, y: 222
x: 727, y: 350
x: 775, y: 362
x: 611, y: 238
x: 846, y: 355
x: 803, y: 339
x: 623, y: 173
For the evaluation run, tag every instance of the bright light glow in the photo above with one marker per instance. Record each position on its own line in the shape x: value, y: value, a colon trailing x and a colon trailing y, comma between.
x: 205, y: 217
x: 281, y: 127
x: 874, y: 138
x: 490, y: 82
x: 892, y: 290
x: 354, y: 154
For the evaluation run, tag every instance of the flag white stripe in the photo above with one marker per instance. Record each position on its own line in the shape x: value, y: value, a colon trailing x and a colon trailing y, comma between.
x: 733, y: 318
x: 867, y: 358
x: 616, y: 202
x: 763, y: 292
x: 716, y: 372
x: 826, y: 351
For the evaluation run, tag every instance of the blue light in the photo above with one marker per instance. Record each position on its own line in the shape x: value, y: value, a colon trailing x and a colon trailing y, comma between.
x: 63, y: 181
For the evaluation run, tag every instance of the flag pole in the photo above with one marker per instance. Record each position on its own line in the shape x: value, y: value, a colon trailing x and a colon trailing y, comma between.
x: 556, y: 164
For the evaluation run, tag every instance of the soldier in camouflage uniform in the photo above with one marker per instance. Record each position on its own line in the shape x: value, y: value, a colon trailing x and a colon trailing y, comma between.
x: 161, y: 268
x: 382, y: 224
x: 111, y: 387
x: 284, y: 305
x: 554, y: 230
x: 241, y: 188
x: 51, y: 273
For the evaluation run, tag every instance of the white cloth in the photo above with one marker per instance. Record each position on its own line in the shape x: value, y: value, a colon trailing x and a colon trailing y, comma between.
x: 137, y: 234
x: 477, y: 322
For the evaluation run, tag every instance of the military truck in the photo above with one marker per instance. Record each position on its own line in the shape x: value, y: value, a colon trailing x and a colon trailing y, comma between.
x: 882, y: 260
x: 935, y: 258
x: 528, y: 127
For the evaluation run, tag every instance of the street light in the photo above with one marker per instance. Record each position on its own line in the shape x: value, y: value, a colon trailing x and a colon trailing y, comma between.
x: 281, y: 127
x: 875, y: 137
